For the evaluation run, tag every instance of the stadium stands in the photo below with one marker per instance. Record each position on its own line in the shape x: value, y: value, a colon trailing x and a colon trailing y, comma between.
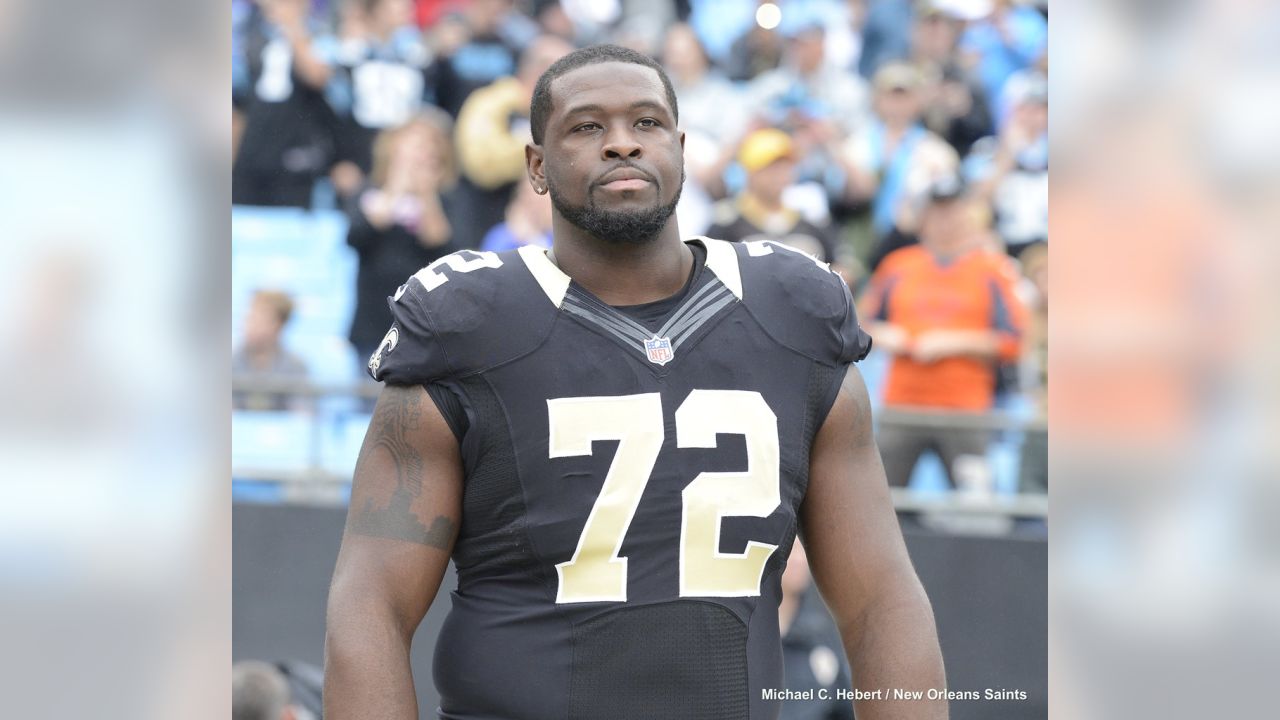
x: 305, y: 254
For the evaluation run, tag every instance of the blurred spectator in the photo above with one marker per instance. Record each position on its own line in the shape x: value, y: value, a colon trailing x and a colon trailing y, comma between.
x: 306, y: 688
x: 380, y: 81
x: 630, y: 23
x: 477, y: 46
x: 1012, y: 37
x: 818, y: 105
x: 641, y: 27
x: 259, y: 692
x: 713, y: 117
x: 955, y: 107
x: 492, y: 131
x: 402, y: 221
x: 844, y: 34
x: 946, y: 312
x: 705, y: 162
x: 286, y: 142
x: 755, y: 52
x: 1012, y: 173
x: 758, y: 212
x: 244, y: 17
x: 812, y: 654
x: 527, y: 221
x: 886, y: 34
x: 427, y: 13
x: 806, y: 88
x: 892, y: 161
x: 262, y: 355
x: 935, y: 36
x: 956, y: 110
x: 709, y: 103
x: 553, y: 20
x: 1033, y: 475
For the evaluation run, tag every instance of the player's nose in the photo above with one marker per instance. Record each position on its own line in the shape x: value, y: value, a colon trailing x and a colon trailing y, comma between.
x: 621, y: 144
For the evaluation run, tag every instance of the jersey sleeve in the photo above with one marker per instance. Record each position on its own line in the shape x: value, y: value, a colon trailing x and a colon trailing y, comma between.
x: 411, y: 353
x: 462, y: 314
x: 803, y: 303
x: 855, y: 343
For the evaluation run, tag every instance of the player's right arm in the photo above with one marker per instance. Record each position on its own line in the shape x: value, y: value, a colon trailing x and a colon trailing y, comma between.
x: 403, y: 518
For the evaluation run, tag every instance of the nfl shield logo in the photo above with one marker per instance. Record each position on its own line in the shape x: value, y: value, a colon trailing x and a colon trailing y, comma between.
x: 659, y: 350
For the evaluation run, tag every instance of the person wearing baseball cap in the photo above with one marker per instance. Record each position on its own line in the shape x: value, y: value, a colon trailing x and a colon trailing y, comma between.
x: 769, y: 158
x: 946, y: 188
x: 890, y: 163
x: 946, y: 313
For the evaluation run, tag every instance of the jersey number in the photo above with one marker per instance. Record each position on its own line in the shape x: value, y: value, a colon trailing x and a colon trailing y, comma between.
x: 596, y: 573
x: 431, y: 277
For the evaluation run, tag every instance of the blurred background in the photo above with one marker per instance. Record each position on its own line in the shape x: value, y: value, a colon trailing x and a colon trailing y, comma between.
x: 886, y: 138
x: 904, y: 142
x: 115, y: 511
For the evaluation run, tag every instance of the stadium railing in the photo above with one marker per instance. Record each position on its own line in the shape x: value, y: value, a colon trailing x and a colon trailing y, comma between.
x: 268, y: 464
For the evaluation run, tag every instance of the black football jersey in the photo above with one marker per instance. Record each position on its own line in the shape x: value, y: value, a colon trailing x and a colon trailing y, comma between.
x: 632, y: 488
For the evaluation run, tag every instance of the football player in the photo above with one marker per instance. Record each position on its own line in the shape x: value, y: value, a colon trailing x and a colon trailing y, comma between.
x: 617, y: 442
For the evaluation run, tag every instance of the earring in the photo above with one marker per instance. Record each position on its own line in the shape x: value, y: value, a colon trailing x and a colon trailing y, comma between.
x: 540, y: 190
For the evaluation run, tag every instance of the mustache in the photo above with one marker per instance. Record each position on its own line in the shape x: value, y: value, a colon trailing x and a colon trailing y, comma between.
x: 632, y: 166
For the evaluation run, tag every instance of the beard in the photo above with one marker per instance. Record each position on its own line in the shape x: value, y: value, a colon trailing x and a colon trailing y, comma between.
x: 619, y: 227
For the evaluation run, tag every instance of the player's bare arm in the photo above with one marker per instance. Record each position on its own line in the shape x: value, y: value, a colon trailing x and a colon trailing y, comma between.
x: 860, y: 563
x: 403, y: 518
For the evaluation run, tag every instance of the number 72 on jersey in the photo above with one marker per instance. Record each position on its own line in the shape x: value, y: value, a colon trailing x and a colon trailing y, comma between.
x: 596, y: 573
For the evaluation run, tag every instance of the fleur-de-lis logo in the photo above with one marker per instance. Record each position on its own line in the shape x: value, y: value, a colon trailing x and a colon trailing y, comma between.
x: 389, y: 342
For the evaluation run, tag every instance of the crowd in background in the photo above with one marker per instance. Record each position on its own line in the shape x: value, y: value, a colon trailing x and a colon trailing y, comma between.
x: 903, y: 142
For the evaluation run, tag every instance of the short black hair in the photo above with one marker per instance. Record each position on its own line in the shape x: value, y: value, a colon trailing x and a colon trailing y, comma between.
x: 540, y: 108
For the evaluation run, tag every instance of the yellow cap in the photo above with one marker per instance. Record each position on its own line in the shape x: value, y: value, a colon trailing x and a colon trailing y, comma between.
x: 764, y: 147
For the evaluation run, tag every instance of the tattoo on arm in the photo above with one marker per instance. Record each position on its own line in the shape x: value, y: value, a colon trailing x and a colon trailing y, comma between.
x: 396, y: 418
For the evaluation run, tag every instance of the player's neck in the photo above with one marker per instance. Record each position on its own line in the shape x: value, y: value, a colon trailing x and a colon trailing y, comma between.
x: 624, y: 274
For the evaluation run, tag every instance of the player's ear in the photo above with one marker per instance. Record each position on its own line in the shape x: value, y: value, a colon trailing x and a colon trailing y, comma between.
x: 534, y: 168
x: 681, y: 140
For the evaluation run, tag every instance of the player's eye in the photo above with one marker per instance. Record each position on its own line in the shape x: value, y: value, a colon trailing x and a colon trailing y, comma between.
x: 647, y: 122
x: 586, y: 126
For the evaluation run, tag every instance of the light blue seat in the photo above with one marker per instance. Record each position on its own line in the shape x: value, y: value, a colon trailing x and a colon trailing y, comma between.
x: 330, y: 358
x: 271, y: 441
x: 1003, y: 457
x: 256, y: 491
x: 342, y: 442
x: 929, y: 475
x: 304, y: 254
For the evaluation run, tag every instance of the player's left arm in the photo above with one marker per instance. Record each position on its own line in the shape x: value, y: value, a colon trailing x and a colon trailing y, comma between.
x: 860, y: 564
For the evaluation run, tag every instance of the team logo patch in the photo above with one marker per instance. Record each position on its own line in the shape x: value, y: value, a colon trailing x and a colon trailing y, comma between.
x: 659, y: 350
x: 389, y: 342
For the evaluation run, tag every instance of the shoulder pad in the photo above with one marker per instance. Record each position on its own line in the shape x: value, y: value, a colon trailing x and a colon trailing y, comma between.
x: 801, y: 302
x: 463, y: 313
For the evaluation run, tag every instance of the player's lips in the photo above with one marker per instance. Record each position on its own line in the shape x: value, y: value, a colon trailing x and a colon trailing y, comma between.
x: 625, y: 179
x: 626, y: 184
